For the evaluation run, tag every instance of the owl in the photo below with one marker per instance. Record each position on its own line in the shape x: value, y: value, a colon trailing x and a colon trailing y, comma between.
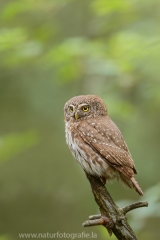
x: 96, y: 142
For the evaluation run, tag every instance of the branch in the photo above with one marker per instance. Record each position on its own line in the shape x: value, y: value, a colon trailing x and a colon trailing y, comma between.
x: 112, y: 217
x: 134, y: 206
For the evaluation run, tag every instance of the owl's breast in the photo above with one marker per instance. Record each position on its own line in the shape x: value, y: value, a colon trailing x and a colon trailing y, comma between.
x: 89, y: 160
x: 75, y: 143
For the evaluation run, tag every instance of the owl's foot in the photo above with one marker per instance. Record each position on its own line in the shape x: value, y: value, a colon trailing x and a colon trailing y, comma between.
x: 95, y: 220
x: 103, y: 180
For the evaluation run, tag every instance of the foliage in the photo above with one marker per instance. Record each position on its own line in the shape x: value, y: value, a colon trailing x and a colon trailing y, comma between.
x: 12, y: 144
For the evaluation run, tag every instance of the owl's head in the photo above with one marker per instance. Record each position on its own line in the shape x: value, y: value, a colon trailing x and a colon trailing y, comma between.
x: 84, y: 106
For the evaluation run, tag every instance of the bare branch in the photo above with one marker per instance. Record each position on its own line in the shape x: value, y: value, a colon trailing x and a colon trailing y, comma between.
x: 112, y: 217
x: 134, y: 206
x: 92, y: 217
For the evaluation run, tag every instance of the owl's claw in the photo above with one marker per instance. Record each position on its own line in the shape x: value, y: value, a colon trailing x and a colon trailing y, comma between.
x: 103, y: 180
x: 95, y: 220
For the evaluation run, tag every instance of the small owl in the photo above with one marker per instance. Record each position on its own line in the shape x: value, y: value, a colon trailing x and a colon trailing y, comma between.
x: 96, y: 142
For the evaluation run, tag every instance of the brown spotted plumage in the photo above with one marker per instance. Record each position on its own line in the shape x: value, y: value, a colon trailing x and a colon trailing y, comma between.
x: 96, y: 142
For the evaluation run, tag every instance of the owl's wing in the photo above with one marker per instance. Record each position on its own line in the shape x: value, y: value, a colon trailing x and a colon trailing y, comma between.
x: 106, y: 139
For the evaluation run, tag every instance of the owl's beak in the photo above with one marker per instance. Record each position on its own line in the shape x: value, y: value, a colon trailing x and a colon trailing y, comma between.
x: 76, y: 116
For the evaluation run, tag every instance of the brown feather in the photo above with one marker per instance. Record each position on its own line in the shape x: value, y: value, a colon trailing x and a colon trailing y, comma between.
x: 109, y: 149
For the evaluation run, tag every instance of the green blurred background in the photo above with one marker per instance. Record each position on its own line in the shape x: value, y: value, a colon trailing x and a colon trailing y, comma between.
x: 50, y: 51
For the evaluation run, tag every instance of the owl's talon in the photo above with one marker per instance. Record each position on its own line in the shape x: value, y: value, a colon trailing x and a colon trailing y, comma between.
x: 103, y: 180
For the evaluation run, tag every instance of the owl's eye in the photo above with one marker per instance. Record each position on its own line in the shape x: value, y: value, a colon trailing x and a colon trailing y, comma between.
x: 85, y: 108
x: 70, y: 108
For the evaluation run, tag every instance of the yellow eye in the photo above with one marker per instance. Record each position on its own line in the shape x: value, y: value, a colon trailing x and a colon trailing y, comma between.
x: 71, y: 109
x: 85, y: 108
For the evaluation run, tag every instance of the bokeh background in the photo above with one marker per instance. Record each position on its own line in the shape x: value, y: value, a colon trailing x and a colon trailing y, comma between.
x: 50, y: 51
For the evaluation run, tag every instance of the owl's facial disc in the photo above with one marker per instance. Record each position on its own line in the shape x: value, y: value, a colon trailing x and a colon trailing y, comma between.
x: 84, y: 107
x: 71, y: 108
x: 81, y: 111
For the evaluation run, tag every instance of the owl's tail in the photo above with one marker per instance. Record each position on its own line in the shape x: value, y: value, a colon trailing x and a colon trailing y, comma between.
x: 131, y: 183
x: 136, y: 186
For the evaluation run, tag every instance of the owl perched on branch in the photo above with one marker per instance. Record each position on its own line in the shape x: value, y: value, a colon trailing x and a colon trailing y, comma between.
x: 96, y: 142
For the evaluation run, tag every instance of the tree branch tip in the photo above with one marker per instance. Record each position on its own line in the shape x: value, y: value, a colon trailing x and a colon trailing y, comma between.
x: 92, y: 217
x: 94, y: 222
x: 134, y: 206
x: 102, y: 220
